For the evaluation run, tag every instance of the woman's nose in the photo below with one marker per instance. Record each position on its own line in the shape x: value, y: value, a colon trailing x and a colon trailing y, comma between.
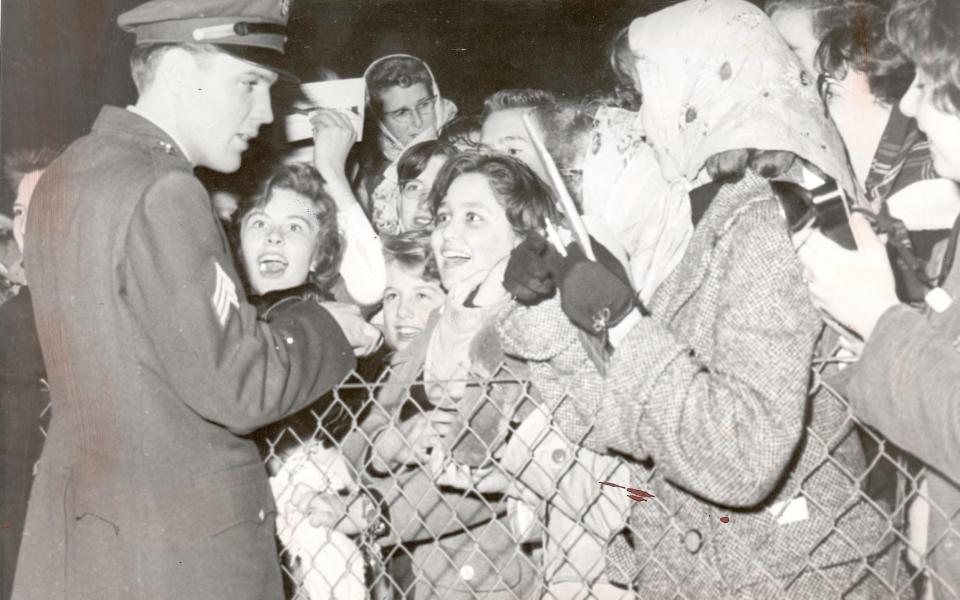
x: 417, y: 119
x: 404, y: 309
x: 274, y: 236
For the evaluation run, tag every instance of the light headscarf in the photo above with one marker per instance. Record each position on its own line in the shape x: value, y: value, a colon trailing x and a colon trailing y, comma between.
x: 385, y: 200
x: 623, y: 188
x: 716, y: 76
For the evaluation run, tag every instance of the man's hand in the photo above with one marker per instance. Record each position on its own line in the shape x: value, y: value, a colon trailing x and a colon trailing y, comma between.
x: 346, y: 514
x: 364, y: 338
x: 855, y: 287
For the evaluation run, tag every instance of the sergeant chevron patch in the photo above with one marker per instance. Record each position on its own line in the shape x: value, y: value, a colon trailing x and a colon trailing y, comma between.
x: 224, y: 295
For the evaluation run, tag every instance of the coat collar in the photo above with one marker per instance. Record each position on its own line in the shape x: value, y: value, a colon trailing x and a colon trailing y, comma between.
x: 138, y: 130
x: 730, y: 202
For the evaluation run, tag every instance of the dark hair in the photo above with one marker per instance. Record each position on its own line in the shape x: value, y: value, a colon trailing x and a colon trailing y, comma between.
x: 516, y: 98
x: 622, y: 58
x: 526, y: 199
x: 460, y: 129
x: 144, y: 59
x: 731, y: 165
x: 22, y: 161
x: 403, y: 71
x: 412, y: 250
x: 928, y: 32
x: 303, y: 179
x: 414, y: 160
x: 858, y: 40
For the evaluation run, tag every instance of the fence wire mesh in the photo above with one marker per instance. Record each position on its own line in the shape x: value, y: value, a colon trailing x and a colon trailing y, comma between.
x: 468, y: 489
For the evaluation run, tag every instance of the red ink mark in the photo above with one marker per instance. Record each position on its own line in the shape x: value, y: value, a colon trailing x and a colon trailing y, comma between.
x: 724, y: 519
x: 5, y: 525
x: 633, y: 493
x: 611, y: 484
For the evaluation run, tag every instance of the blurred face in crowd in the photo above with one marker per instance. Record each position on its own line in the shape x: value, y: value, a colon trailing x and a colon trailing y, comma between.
x: 504, y: 132
x: 796, y: 27
x: 408, y: 111
x: 472, y: 233
x: 223, y: 103
x: 414, y: 210
x: 941, y: 127
x: 859, y: 117
x: 279, y: 241
x: 407, y: 303
x: 22, y: 204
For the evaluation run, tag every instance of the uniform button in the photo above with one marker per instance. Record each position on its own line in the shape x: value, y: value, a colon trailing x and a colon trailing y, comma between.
x: 693, y: 541
x: 289, y: 340
x: 558, y: 456
x: 466, y: 572
x: 260, y: 515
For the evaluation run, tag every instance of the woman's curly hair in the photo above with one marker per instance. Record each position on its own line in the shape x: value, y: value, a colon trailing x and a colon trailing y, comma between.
x: 928, y: 33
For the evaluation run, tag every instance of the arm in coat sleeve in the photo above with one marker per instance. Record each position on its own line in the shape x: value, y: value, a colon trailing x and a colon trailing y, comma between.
x: 907, y: 380
x: 227, y: 365
x: 723, y: 426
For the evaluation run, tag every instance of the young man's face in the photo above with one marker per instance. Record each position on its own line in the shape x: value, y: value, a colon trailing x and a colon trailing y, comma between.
x: 408, y: 301
x: 223, y: 103
x: 941, y: 127
x: 503, y: 132
x: 408, y: 111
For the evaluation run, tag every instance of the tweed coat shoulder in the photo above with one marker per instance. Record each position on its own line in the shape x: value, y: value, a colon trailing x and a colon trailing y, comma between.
x: 158, y: 367
x: 711, y: 398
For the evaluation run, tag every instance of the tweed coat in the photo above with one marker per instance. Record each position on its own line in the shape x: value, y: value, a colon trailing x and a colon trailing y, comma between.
x: 907, y: 385
x: 158, y: 367
x: 462, y: 543
x: 709, y: 397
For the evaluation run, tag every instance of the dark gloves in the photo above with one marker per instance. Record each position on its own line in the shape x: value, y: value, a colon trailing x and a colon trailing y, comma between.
x: 594, y: 295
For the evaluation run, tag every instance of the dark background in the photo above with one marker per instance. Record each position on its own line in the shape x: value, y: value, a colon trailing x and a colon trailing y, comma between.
x: 64, y: 59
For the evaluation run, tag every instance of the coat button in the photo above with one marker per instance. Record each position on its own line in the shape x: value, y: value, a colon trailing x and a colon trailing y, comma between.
x: 558, y: 456
x: 466, y: 572
x: 693, y: 541
x: 260, y: 515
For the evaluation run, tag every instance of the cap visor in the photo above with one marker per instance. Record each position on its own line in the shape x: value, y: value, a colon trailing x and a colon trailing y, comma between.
x: 262, y: 57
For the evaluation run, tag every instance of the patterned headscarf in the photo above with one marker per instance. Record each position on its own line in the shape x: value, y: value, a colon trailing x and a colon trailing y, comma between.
x: 716, y: 76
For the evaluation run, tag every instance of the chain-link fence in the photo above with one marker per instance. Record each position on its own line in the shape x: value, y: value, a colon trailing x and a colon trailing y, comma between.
x: 396, y: 487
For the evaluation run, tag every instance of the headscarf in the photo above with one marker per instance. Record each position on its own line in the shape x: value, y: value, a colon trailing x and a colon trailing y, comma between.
x: 385, y: 200
x: 716, y: 76
x: 623, y: 188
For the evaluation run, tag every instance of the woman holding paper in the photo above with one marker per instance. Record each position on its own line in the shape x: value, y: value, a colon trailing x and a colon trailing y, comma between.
x: 710, y: 395
x: 404, y: 103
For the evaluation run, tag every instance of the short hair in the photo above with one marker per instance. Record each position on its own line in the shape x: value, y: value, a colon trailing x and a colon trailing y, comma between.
x: 516, y: 98
x: 145, y: 58
x: 458, y: 131
x: 412, y: 250
x: 23, y: 161
x: 526, y: 199
x: 622, y: 59
x: 928, y: 32
x: 403, y: 71
x: 857, y: 39
x: 303, y: 179
x: 414, y: 160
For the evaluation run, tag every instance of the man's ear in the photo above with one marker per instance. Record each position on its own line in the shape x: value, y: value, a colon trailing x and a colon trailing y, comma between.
x: 175, y: 71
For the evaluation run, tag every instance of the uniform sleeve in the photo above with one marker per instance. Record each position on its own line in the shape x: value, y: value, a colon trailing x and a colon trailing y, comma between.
x: 906, y: 384
x: 227, y: 365
x: 362, y: 268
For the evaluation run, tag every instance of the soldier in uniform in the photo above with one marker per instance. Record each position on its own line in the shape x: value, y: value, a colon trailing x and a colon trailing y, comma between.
x: 158, y: 367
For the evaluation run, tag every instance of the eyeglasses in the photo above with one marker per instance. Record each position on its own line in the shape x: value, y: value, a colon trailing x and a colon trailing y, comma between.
x: 405, y: 115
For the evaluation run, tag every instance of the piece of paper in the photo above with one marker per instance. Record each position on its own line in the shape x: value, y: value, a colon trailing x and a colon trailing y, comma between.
x: 347, y: 95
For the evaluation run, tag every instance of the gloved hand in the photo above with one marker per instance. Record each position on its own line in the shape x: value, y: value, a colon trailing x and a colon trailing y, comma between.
x: 595, y: 296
